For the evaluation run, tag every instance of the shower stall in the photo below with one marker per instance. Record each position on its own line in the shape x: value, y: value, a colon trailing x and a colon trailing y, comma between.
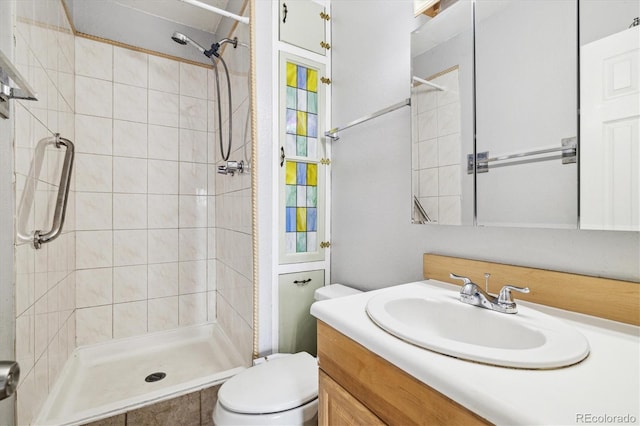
x: 156, y: 250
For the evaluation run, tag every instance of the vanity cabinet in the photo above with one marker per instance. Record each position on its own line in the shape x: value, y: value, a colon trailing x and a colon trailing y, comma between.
x: 359, y: 387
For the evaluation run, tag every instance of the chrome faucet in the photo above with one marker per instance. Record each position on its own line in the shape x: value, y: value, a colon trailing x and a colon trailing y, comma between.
x: 473, y: 295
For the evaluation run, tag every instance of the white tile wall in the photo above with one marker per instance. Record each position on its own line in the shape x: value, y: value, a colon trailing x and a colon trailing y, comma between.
x: 45, y: 278
x: 143, y: 179
x: 437, y: 160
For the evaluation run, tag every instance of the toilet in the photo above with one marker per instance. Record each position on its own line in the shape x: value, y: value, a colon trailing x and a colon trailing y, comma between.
x: 281, y: 390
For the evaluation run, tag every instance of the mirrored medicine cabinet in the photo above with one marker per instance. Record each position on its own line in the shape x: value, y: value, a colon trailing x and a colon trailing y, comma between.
x: 526, y: 114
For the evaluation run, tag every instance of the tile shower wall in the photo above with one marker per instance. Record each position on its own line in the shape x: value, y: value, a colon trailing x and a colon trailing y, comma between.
x: 233, y: 242
x: 145, y: 207
x: 436, y: 148
x: 45, y: 278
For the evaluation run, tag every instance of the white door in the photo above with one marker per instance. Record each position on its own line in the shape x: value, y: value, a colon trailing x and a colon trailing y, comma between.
x: 610, y: 122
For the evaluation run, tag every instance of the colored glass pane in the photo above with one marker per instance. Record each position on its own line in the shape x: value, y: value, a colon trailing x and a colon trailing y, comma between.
x: 291, y: 121
x: 312, y: 147
x: 301, y: 243
x: 312, y: 241
x: 312, y: 196
x: 312, y: 174
x: 301, y: 146
x: 312, y: 125
x: 312, y: 102
x: 301, y: 196
x: 290, y: 173
x: 292, y: 101
x: 291, y: 195
x: 291, y: 219
x: 302, y: 100
x: 312, y: 219
x: 290, y: 144
x: 312, y: 80
x: 292, y: 74
x: 302, y: 77
x: 301, y: 219
x: 301, y: 127
x: 301, y: 173
x: 290, y: 242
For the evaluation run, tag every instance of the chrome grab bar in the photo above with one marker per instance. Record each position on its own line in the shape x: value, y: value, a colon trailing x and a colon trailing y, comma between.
x: 39, y: 237
x: 421, y: 210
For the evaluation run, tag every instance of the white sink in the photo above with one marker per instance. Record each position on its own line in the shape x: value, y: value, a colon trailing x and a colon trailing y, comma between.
x: 434, y: 318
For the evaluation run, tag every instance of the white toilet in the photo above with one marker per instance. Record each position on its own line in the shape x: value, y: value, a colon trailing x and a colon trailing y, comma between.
x: 283, y: 390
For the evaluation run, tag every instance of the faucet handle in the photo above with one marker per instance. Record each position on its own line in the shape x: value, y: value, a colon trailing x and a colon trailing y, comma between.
x: 465, y: 280
x: 505, y: 293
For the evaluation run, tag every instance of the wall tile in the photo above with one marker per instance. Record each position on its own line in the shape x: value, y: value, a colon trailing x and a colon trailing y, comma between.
x: 163, y: 280
x: 193, y: 146
x: 93, y: 211
x: 193, y: 113
x: 94, y: 249
x: 94, y: 325
x: 129, y: 139
x: 93, y: 135
x: 164, y: 74
x: 193, y: 244
x: 193, y: 179
x: 129, y: 319
x: 94, y: 97
x: 94, y: 59
x: 129, y: 283
x: 193, y: 277
x: 164, y: 109
x: 163, y: 142
x: 129, y: 211
x: 129, y: 103
x: 93, y: 173
x: 192, y: 309
x: 449, y: 180
x: 94, y: 287
x: 163, y: 211
x: 129, y: 175
x: 130, y: 67
x: 163, y: 245
x: 162, y: 313
x: 193, y: 211
x: 449, y: 150
x: 129, y: 247
x: 163, y: 177
x: 193, y: 81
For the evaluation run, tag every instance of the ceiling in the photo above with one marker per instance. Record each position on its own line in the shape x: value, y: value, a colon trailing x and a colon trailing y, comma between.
x: 149, y: 24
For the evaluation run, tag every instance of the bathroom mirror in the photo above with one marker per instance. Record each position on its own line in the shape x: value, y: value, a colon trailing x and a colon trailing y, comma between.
x: 526, y: 113
x: 442, y: 117
x: 610, y: 115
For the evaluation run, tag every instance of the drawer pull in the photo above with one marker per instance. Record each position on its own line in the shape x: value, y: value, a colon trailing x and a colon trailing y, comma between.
x: 302, y: 282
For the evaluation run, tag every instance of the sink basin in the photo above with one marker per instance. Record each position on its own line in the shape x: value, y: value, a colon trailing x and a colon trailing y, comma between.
x: 434, y: 318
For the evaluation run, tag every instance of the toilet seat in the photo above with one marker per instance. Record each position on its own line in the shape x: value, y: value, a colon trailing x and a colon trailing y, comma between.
x: 275, y: 385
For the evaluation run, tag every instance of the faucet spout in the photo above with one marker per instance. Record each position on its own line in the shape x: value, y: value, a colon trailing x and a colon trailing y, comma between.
x: 472, y: 294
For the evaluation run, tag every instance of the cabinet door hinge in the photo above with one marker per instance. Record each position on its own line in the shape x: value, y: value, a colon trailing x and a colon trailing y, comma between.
x: 325, y: 16
x: 325, y: 244
x: 325, y: 161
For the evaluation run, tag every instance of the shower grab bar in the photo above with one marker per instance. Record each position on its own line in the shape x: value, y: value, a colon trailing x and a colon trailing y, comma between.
x: 217, y: 10
x: 39, y: 237
x: 568, y: 148
x: 428, y: 83
x: 333, y: 133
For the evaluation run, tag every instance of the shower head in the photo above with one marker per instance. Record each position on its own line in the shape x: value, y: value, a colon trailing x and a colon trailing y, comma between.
x: 183, y: 40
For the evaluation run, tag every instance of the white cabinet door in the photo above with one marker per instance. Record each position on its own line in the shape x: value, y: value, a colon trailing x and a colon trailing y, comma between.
x: 302, y: 25
x: 610, y: 122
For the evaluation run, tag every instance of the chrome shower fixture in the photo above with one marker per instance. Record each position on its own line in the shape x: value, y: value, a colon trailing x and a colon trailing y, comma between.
x: 215, y: 47
x: 233, y: 167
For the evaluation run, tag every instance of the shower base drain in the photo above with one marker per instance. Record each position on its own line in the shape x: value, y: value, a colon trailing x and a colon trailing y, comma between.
x: 154, y: 377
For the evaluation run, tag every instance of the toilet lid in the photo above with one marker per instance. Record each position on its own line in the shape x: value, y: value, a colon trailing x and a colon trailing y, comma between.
x: 275, y: 385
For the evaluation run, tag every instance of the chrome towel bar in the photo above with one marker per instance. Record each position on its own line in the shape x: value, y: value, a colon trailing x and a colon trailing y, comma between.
x: 333, y: 133
x: 39, y: 237
x: 568, y: 148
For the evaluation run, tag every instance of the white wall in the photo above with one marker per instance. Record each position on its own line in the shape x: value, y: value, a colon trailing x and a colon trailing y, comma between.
x: 373, y: 243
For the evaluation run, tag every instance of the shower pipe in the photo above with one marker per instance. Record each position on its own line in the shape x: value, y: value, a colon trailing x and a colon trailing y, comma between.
x: 214, y: 51
x: 242, y: 19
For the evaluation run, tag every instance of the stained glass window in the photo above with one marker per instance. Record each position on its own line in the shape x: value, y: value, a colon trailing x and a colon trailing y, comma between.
x: 302, y: 111
x: 301, y: 198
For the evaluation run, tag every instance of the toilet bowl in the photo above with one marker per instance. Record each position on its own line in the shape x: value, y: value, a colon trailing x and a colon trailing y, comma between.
x: 282, y: 390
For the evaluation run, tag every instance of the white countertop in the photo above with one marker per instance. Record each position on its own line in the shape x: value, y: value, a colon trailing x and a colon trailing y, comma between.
x: 597, y: 390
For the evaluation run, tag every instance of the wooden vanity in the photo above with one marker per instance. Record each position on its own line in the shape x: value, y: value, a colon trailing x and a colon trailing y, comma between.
x: 357, y: 387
